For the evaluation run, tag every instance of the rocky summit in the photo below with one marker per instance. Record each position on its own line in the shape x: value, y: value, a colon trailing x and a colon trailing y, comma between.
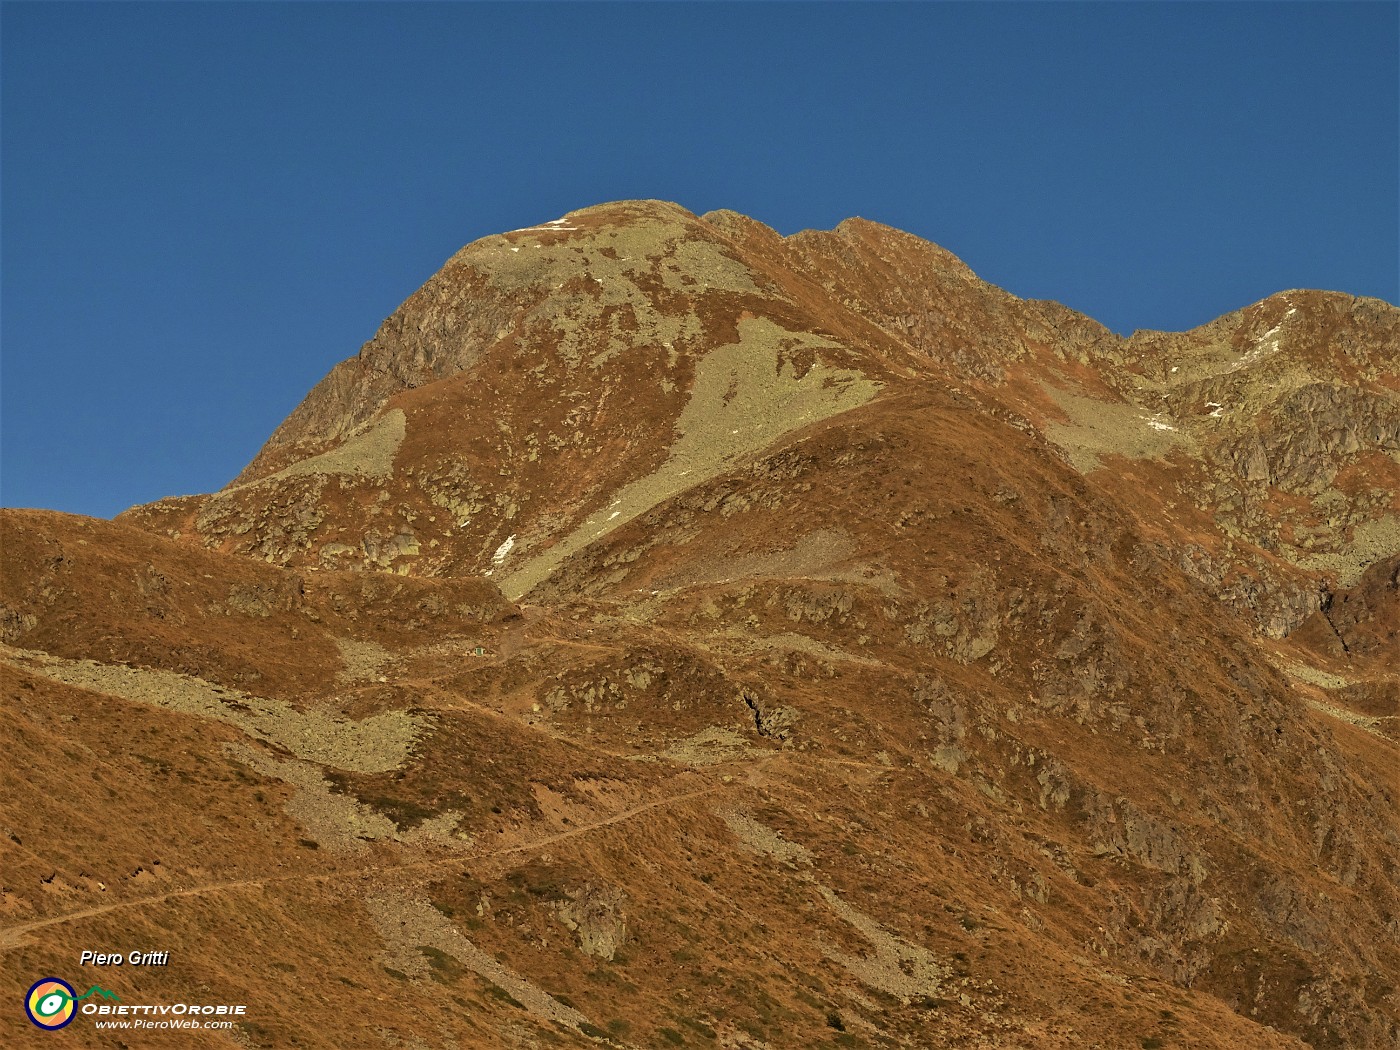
x: 668, y: 633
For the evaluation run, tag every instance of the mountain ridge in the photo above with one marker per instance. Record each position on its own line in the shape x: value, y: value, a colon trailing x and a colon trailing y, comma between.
x: 1057, y: 370
x: 665, y: 632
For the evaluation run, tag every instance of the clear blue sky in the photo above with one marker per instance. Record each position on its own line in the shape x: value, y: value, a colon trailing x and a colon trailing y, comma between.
x: 205, y: 206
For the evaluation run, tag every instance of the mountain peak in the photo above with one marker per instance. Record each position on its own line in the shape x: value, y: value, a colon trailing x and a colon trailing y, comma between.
x: 800, y: 632
x: 601, y: 333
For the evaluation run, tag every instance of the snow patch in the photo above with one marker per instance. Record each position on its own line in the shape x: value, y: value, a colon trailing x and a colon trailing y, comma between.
x: 502, y: 551
x: 553, y: 224
x: 1266, y: 345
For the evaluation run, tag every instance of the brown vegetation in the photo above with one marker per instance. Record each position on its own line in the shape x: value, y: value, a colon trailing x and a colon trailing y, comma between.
x: 667, y: 633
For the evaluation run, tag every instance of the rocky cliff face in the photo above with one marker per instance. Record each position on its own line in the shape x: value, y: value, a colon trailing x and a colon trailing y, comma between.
x: 665, y: 632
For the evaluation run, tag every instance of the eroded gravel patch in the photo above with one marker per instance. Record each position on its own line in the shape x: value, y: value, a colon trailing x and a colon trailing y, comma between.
x: 370, y: 745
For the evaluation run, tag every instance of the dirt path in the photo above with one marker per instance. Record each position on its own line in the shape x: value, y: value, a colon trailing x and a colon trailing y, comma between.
x: 10, y: 937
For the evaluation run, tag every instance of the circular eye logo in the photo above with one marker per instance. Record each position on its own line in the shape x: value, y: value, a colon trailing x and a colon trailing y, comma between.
x: 49, y: 1003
